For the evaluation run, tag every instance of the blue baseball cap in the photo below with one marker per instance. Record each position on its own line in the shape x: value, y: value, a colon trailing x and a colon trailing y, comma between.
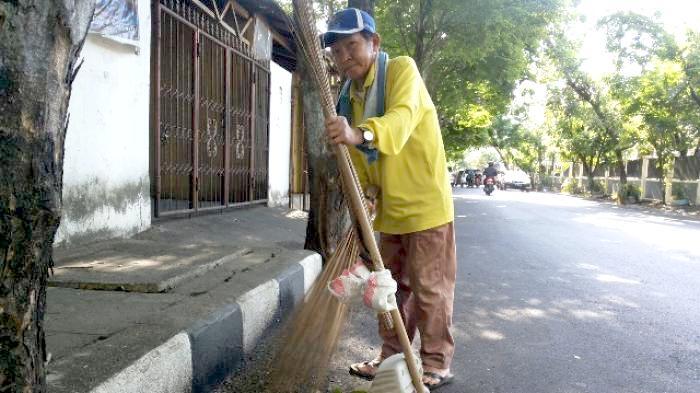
x: 347, y: 22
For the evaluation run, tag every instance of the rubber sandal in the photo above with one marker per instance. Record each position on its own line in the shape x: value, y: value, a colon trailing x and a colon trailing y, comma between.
x: 441, y: 380
x: 360, y: 369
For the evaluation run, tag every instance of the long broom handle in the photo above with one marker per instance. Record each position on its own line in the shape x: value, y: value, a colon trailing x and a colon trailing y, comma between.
x: 358, y: 208
x: 310, y: 45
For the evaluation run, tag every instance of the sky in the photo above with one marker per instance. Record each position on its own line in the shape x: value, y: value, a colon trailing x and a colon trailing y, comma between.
x: 676, y: 16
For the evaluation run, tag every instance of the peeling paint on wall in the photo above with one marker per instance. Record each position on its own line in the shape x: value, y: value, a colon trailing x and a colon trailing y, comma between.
x: 106, y: 182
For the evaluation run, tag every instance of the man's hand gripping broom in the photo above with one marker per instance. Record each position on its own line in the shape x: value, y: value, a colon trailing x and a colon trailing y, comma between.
x: 309, y: 43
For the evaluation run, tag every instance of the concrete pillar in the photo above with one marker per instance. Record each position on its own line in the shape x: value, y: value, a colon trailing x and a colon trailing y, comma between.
x: 645, y: 174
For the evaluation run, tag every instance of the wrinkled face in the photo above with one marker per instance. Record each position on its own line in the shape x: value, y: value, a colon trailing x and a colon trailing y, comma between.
x: 355, y: 54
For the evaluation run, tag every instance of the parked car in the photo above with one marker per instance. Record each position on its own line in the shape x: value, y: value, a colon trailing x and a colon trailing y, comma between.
x: 516, y: 179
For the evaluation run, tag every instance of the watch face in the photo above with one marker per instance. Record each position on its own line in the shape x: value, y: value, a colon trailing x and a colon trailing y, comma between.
x: 368, y: 136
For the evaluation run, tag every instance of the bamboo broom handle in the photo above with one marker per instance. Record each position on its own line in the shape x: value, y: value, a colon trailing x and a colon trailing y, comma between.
x: 310, y: 44
x: 357, y: 205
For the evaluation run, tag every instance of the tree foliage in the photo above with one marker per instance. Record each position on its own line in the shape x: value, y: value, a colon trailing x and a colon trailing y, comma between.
x: 471, y: 54
x: 665, y: 63
x: 579, y: 131
x: 649, y: 104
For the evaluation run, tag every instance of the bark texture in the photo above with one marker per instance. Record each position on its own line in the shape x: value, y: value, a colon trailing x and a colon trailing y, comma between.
x: 328, y: 214
x: 39, y: 44
x: 365, y: 5
x: 329, y: 219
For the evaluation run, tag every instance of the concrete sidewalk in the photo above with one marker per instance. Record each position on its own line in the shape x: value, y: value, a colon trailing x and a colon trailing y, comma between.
x: 176, y: 308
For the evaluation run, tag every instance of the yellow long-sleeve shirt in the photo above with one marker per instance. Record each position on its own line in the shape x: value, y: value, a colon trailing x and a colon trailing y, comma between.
x: 411, y: 171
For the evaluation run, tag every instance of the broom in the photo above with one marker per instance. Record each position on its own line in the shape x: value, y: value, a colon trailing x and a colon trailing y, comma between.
x: 315, y: 328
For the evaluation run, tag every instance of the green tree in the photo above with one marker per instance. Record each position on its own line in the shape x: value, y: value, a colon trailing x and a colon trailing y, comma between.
x: 691, y: 67
x: 579, y: 132
x: 530, y: 152
x: 471, y: 54
x: 504, y: 136
x: 532, y: 144
x: 610, y: 121
x: 637, y: 39
x: 641, y: 40
x: 657, y: 97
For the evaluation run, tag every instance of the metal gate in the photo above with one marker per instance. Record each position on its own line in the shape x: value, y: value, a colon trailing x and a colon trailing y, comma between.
x: 211, y: 114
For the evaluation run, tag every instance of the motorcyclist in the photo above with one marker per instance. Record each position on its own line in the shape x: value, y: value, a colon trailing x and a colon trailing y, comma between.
x: 491, y: 170
x: 470, y: 178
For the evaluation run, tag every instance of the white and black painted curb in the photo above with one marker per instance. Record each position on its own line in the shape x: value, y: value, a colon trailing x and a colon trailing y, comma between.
x: 201, y: 357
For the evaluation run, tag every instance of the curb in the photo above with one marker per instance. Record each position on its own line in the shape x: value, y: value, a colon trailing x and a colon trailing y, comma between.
x: 201, y: 357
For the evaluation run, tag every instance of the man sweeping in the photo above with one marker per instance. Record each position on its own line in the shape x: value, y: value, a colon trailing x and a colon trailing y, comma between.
x: 388, y: 118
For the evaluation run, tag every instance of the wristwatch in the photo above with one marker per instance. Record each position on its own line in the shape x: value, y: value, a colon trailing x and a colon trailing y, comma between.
x: 367, y: 136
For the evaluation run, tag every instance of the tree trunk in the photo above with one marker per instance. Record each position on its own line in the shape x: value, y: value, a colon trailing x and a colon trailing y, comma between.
x: 551, y: 165
x: 424, y: 10
x: 364, y: 5
x: 329, y: 219
x: 622, y: 173
x: 39, y: 45
x: 541, y: 169
x: 503, y: 157
x: 668, y: 173
x: 588, y: 169
x: 661, y: 164
x: 621, y: 167
x: 328, y: 214
x: 695, y: 96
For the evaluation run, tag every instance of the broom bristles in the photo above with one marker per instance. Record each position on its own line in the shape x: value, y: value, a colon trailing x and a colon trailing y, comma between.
x: 301, y: 364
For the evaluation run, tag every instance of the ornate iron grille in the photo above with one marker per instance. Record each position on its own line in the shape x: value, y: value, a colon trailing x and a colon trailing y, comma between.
x: 240, y: 115
x: 262, y: 120
x: 176, y: 127
x: 211, y: 108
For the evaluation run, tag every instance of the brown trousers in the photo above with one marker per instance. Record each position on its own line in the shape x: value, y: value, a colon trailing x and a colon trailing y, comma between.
x: 424, y: 264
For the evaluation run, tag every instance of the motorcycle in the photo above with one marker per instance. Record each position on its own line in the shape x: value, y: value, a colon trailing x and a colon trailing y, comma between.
x: 489, y: 185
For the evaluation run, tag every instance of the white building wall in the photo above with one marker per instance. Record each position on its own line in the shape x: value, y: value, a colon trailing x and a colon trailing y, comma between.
x: 106, y: 169
x: 280, y: 135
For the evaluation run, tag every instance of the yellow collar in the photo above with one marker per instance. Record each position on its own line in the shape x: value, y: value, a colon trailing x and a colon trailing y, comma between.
x: 359, y: 93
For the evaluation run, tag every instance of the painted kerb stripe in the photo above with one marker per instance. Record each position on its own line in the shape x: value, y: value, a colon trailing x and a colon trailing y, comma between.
x: 168, y: 368
x: 217, y: 347
x: 259, y: 308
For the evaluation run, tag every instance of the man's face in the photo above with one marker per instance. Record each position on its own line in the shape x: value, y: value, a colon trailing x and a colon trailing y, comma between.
x: 354, y: 55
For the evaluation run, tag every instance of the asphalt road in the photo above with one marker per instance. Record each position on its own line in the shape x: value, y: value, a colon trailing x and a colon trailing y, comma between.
x: 559, y: 294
